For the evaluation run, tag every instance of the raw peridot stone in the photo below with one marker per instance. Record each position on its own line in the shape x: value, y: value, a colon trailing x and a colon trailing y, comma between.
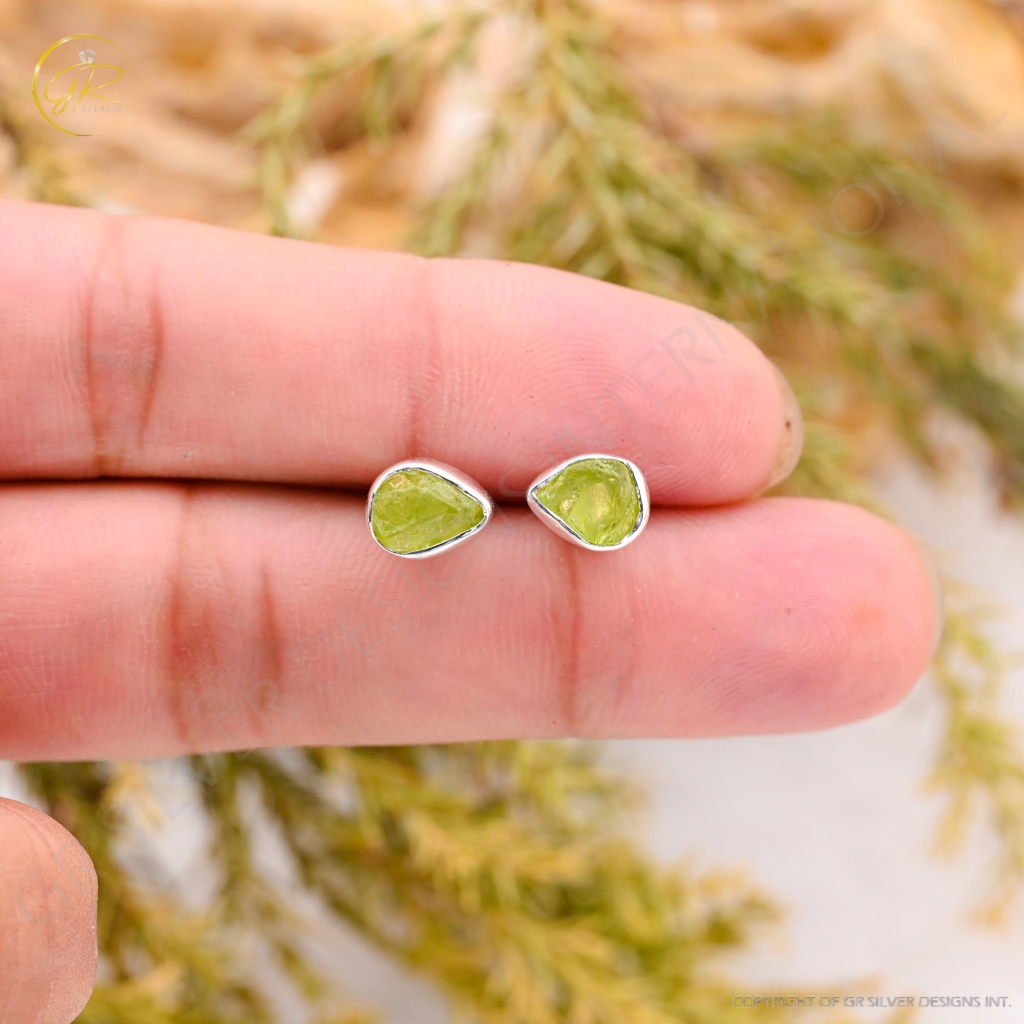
x: 414, y: 510
x: 597, y: 499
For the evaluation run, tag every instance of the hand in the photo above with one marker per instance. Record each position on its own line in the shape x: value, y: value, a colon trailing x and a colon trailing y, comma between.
x: 167, y: 587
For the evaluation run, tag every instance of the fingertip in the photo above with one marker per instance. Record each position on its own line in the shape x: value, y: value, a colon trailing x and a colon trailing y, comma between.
x: 49, y: 888
x: 792, y: 432
x: 894, y: 612
x: 937, y: 587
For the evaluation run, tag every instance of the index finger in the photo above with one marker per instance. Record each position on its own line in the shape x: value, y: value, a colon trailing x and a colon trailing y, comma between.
x: 170, y: 349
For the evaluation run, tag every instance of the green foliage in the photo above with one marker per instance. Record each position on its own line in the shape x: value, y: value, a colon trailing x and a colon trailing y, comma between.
x: 500, y: 870
x: 160, y: 963
x: 979, y: 765
x: 45, y: 172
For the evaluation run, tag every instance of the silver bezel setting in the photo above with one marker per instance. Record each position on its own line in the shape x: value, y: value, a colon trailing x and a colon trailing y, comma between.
x: 464, y: 483
x: 552, y: 522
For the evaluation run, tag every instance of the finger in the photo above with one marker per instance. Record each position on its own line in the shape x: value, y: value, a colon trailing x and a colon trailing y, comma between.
x: 180, y: 350
x: 150, y: 619
x: 47, y: 919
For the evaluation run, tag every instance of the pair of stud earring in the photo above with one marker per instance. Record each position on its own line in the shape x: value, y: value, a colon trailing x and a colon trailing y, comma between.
x: 420, y: 508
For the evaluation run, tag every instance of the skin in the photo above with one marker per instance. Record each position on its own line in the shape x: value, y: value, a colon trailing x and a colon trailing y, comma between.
x: 195, y: 599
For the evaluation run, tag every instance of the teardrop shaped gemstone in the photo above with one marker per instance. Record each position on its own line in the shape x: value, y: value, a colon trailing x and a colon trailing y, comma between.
x: 598, y: 499
x: 414, y: 510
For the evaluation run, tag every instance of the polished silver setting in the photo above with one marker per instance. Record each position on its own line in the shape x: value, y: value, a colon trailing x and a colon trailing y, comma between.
x: 552, y: 522
x: 464, y: 483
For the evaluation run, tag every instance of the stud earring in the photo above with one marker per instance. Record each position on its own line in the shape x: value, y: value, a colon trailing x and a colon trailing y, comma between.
x: 419, y: 508
x: 599, y: 502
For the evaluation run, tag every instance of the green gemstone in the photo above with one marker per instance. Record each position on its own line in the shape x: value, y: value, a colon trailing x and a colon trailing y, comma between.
x: 598, y: 499
x: 414, y: 510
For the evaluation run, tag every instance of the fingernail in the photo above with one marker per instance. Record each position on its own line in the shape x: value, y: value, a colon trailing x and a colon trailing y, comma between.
x: 794, y: 444
x: 931, y: 564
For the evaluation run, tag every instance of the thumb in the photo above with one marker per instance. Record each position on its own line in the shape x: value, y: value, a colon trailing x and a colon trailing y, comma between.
x: 47, y: 919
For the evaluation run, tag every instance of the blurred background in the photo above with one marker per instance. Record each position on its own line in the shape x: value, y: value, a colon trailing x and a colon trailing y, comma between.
x: 844, y: 180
